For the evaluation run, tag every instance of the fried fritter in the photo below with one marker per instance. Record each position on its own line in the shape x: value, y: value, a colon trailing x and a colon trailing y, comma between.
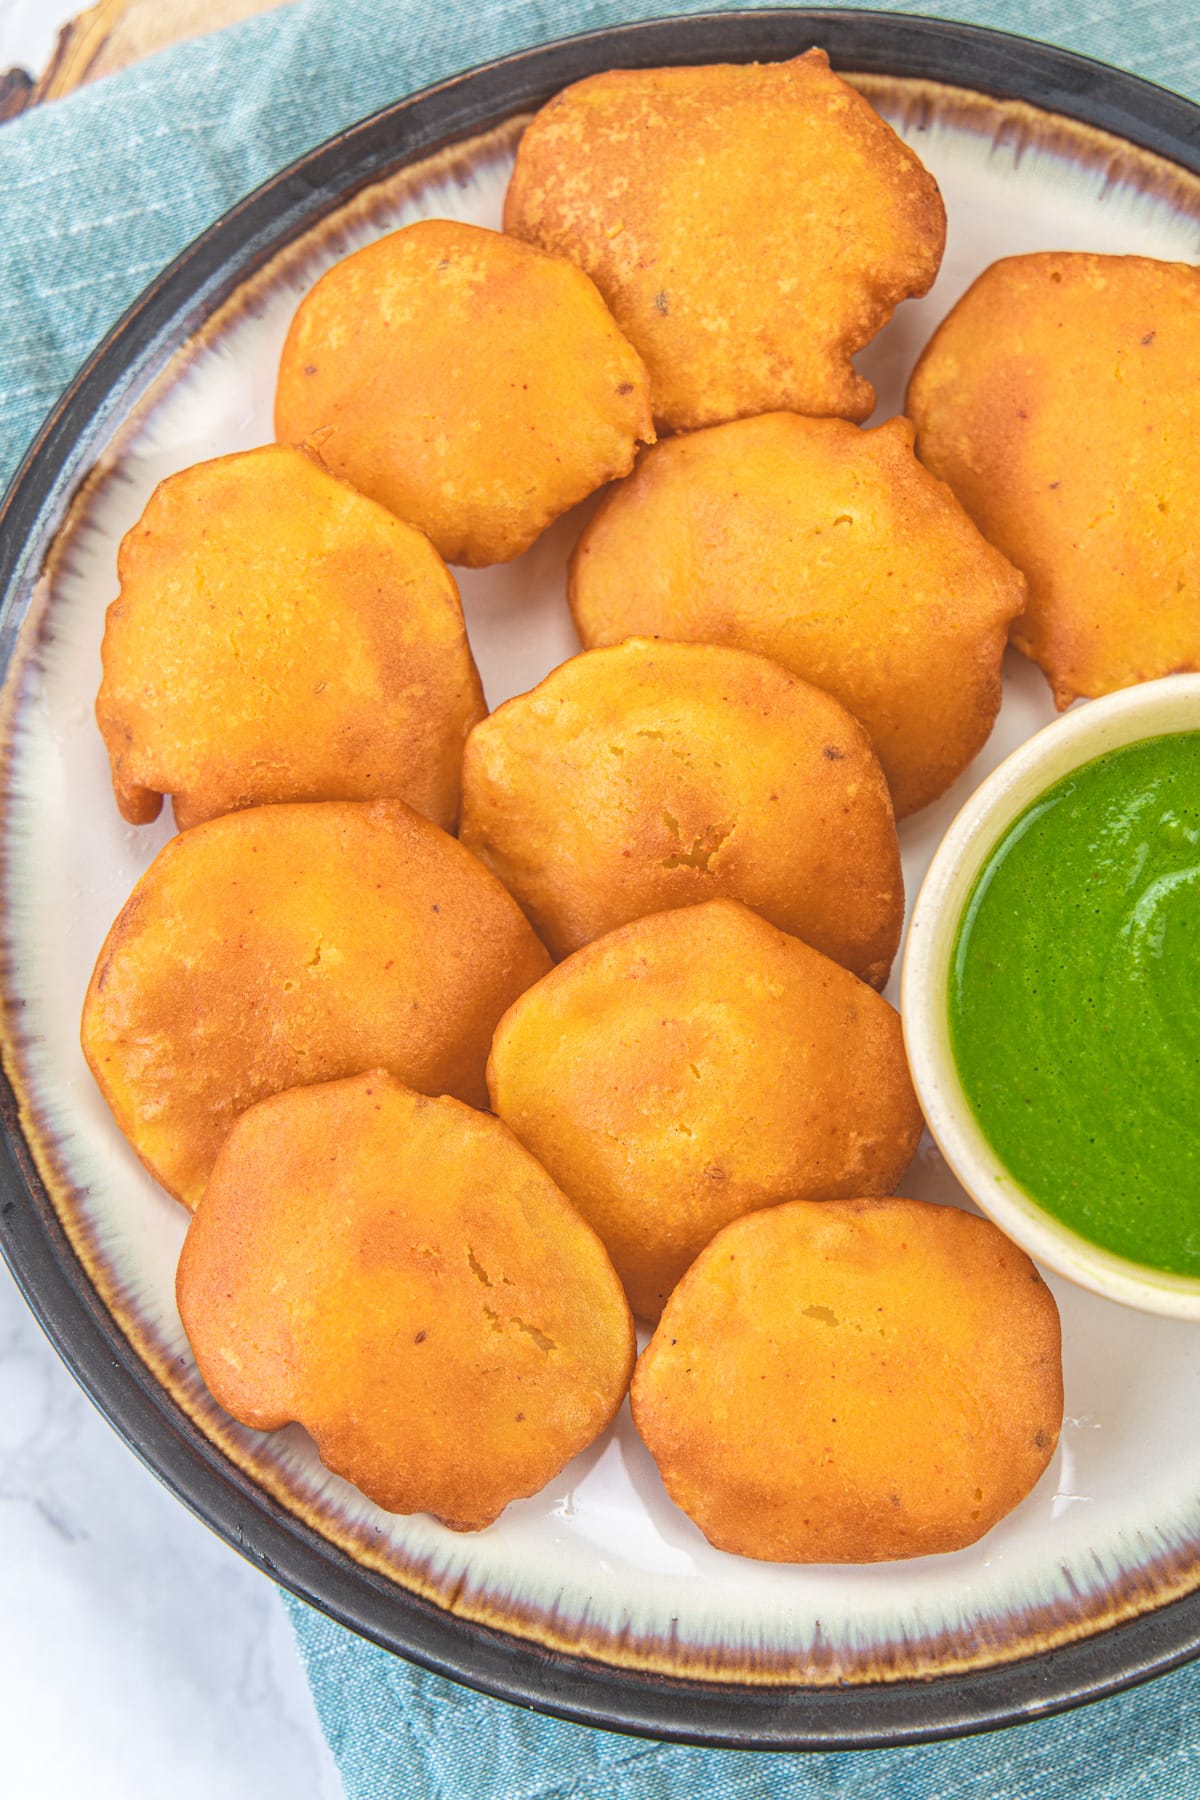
x: 476, y: 386
x: 286, y: 945
x: 852, y: 1383
x: 695, y: 1066
x: 830, y: 549
x: 1061, y: 401
x: 279, y: 637
x: 655, y: 775
x: 750, y: 227
x: 396, y: 1273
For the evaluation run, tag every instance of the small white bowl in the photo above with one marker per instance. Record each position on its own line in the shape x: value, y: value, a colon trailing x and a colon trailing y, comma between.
x: 1151, y: 710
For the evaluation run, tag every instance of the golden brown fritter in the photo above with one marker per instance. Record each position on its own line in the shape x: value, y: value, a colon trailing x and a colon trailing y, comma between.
x: 852, y: 1383
x: 474, y: 385
x: 695, y: 1066
x: 396, y: 1273
x: 1061, y: 401
x: 286, y: 945
x: 830, y: 549
x: 750, y: 227
x: 651, y: 775
x: 279, y: 637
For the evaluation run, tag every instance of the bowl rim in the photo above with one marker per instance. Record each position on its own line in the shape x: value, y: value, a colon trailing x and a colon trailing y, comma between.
x: 1161, y: 708
x: 171, y: 309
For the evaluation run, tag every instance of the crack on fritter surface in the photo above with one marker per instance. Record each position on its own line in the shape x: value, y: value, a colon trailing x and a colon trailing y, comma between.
x: 704, y: 846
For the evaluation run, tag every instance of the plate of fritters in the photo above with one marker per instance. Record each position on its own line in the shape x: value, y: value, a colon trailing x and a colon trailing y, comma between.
x: 494, y: 641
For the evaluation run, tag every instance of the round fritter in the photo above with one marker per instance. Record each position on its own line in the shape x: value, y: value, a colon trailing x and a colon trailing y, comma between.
x: 474, y: 385
x: 1061, y: 401
x: 650, y: 776
x: 750, y: 227
x: 830, y: 549
x: 398, y: 1275
x: 853, y: 1383
x: 695, y: 1066
x: 279, y: 637
x: 291, y: 944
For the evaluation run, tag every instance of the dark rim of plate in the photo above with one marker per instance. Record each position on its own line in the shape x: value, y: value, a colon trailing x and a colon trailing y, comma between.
x: 33, y: 1242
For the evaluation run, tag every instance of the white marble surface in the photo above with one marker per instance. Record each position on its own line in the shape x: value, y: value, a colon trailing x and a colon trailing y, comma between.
x: 29, y: 30
x: 138, y: 1654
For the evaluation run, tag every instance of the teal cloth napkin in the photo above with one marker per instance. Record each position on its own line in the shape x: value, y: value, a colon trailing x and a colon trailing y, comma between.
x: 399, y: 1734
x: 99, y: 192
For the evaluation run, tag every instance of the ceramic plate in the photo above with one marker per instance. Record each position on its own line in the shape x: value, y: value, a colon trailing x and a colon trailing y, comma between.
x: 597, y: 1599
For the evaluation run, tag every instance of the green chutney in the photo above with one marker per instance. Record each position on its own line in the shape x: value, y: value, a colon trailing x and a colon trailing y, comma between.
x: 1075, y: 1001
